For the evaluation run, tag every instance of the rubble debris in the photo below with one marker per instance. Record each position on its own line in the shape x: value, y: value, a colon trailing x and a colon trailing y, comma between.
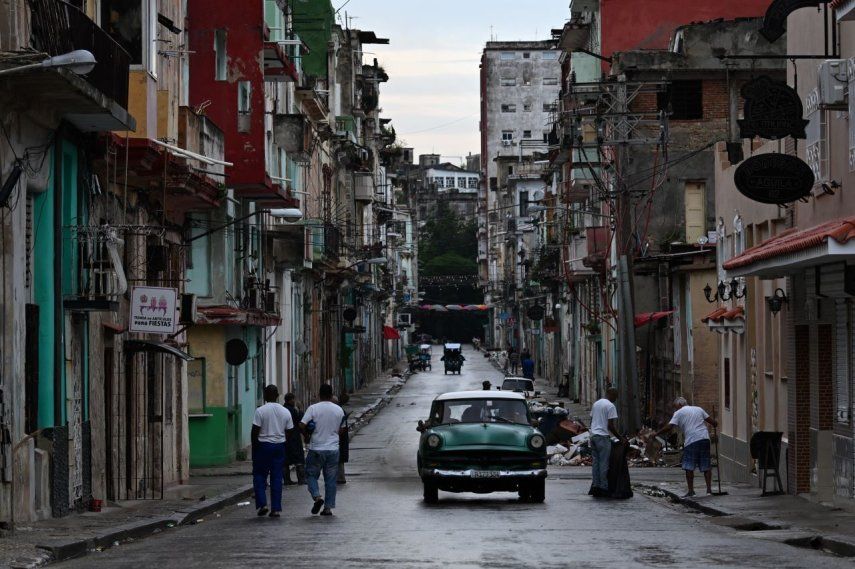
x: 556, y: 449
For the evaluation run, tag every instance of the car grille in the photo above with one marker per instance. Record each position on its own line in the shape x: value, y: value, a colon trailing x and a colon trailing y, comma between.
x: 485, y: 457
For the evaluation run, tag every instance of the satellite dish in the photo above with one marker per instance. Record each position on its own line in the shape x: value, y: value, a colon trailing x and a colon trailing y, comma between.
x: 536, y: 312
x: 349, y: 314
x: 236, y: 352
x: 538, y: 195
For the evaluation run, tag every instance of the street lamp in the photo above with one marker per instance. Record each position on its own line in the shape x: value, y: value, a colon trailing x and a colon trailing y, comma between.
x: 288, y: 214
x: 78, y: 61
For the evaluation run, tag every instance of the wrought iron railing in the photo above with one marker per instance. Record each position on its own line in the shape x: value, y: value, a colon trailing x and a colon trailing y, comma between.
x: 59, y: 27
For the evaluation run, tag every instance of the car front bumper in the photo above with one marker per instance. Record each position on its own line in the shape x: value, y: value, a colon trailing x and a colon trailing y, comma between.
x: 482, y: 481
x: 474, y: 474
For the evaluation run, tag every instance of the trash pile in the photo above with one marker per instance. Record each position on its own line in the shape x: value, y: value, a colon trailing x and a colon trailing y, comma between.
x: 568, y: 440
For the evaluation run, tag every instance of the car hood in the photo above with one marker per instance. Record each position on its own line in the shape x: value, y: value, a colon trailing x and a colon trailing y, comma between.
x: 483, y: 434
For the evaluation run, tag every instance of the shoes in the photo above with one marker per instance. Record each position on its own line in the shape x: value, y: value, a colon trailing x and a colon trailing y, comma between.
x: 689, y: 494
x: 274, y: 514
x: 319, y: 503
x: 326, y: 512
x: 262, y: 511
x: 289, y: 482
x: 341, y: 481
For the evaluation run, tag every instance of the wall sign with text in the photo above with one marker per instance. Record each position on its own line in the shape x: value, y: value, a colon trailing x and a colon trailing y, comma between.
x: 773, y: 110
x: 153, y: 310
x: 774, y: 178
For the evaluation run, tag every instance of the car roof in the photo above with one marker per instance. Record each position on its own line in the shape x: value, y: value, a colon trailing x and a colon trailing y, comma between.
x: 479, y: 395
x: 515, y: 378
x: 452, y: 346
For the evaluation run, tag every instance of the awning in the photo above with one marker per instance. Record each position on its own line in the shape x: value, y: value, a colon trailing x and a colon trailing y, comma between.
x: 151, y: 346
x: 648, y: 317
x: 390, y: 333
x: 793, y: 250
x: 723, y: 320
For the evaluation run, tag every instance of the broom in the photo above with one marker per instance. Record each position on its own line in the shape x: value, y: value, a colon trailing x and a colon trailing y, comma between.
x: 717, y: 459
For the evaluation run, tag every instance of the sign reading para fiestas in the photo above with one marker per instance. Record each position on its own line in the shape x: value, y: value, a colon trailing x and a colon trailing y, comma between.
x: 153, y: 310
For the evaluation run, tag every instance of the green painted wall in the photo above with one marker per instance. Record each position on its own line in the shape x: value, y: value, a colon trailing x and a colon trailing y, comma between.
x: 210, y: 444
x: 44, y: 231
x: 313, y: 21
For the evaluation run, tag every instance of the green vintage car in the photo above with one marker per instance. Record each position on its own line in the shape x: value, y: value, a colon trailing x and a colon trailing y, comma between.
x: 481, y: 441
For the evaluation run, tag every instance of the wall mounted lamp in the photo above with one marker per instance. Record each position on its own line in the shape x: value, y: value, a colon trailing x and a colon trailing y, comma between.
x: 777, y: 301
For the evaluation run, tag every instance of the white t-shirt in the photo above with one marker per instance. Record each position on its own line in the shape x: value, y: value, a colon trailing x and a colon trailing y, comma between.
x: 328, y: 418
x: 691, y: 420
x: 601, y: 412
x: 273, y: 419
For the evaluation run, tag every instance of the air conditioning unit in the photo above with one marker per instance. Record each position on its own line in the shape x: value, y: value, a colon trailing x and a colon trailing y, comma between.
x: 507, y: 142
x: 833, y: 83
x: 405, y: 319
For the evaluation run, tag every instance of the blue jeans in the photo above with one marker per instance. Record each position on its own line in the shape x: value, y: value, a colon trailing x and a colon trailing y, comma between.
x: 268, y: 459
x: 601, y: 450
x: 316, y: 462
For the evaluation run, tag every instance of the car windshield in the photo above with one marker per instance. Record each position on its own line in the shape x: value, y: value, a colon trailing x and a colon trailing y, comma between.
x: 517, y: 385
x: 479, y: 411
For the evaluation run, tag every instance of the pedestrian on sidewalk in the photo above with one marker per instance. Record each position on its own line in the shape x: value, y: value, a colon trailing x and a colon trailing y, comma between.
x: 269, y: 425
x: 696, y: 441
x: 294, y: 454
x: 513, y: 360
x: 343, y: 439
x: 603, y: 425
x: 326, y: 417
x: 527, y: 366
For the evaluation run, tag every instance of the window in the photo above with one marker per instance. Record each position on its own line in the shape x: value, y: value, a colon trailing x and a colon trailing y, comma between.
x: 550, y: 107
x: 509, y: 108
x: 133, y: 25
x: 440, y: 182
x: 196, y: 386
x: 696, y: 211
x: 509, y: 81
x: 526, y: 134
x: 727, y: 383
x: 449, y: 182
x: 523, y: 204
x: 526, y: 55
x: 510, y: 170
x: 220, y: 55
x: 549, y: 55
x: 527, y: 107
x: 550, y: 80
x: 683, y: 100
x: 244, y: 97
x: 546, y: 136
x: 507, y: 55
x: 199, y: 258
x: 473, y: 183
x: 507, y: 135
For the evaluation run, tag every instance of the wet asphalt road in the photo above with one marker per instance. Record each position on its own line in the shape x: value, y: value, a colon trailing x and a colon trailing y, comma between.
x: 381, y: 520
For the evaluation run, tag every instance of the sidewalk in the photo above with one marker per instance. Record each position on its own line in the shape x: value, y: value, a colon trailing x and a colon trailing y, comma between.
x: 207, y: 491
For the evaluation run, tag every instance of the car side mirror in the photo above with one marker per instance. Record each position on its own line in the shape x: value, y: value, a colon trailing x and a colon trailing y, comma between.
x: 421, y: 427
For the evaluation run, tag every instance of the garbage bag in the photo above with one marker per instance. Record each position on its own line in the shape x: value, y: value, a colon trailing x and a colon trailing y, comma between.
x: 619, y: 484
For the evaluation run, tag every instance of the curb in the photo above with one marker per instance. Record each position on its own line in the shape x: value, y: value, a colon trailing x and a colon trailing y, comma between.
x: 64, y: 551
x: 378, y: 405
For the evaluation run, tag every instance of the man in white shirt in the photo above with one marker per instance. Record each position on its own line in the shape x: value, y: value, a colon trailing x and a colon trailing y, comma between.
x: 696, y: 441
x: 603, y: 425
x: 269, y: 425
x: 323, y: 422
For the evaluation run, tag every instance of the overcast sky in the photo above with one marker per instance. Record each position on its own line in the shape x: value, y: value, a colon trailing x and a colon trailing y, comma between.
x: 432, y: 60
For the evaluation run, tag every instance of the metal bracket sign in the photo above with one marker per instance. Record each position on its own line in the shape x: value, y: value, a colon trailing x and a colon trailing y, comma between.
x: 153, y: 310
x: 773, y: 110
x: 775, y: 22
x: 774, y: 178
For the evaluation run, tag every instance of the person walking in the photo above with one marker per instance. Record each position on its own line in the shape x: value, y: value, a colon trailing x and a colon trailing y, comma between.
x: 269, y: 425
x: 603, y: 425
x: 294, y: 453
x: 696, y: 441
x: 343, y: 439
x: 527, y: 366
x: 326, y: 418
x: 513, y: 360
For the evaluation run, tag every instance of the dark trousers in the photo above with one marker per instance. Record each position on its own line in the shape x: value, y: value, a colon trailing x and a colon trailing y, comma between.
x: 268, y: 459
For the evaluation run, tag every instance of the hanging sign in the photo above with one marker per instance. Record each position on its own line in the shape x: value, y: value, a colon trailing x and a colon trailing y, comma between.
x: 775, y: 22
x: 153, y: 310
x: 536, y: 312
x: 773, y: 110
x: 774, y: 178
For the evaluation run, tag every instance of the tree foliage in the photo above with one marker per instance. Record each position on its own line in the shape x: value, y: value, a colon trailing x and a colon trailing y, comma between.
x: 448, y: 244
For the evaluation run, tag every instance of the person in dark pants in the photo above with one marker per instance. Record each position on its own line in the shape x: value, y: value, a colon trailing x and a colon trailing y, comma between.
x: 322, y: 422
x: 527, y: 366
x: 294, y: 455
x: 269, y: 425
x: 343, y: 440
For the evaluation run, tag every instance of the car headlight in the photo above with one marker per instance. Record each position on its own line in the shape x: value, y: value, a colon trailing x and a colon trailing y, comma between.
x: 536, y: 442
x: 434, y: 441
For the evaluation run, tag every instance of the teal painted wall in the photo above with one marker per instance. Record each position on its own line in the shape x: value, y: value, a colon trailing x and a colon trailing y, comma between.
x: 44, y: 231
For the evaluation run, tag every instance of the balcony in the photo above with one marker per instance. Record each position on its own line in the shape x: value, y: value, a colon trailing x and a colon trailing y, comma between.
x: 332, y: 242
x: 278, y: 67
x: 598, y: 240
x: 312, y: 98
x: 294, y: 135
x: 95, y: 102
x: 202, y: 186
x: 100, y: 281
x: 364, y: 188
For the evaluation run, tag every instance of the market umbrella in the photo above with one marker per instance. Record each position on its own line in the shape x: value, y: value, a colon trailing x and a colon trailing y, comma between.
x: 454, y: 307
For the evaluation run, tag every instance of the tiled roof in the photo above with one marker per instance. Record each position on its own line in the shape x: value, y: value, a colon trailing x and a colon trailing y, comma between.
x: 792, y: 241
x: 720, y: 314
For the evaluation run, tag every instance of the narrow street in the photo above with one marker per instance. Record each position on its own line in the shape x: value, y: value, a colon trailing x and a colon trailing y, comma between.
x: 382, y: 521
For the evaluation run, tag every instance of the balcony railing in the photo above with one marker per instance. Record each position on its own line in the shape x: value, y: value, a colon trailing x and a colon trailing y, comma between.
x: 59, y: 27
x: 99, y: 280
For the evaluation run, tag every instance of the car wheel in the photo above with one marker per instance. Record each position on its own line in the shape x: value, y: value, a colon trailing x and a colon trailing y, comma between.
x: 431, y: 492
x: 523, y: 492
x: 537, y: 491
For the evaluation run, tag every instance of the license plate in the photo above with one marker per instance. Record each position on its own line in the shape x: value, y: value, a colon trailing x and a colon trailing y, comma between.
x: 485, y: 474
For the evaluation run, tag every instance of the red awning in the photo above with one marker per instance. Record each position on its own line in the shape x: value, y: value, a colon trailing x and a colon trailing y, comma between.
x: 648, y: 317
x: 794, y: 241
x: 390, y: 333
